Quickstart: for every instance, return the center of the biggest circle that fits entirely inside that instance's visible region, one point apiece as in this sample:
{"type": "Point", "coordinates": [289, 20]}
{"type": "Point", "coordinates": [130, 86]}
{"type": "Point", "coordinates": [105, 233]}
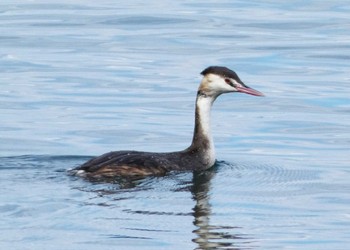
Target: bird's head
{"type": "Point", "coordinates": [218, 80]}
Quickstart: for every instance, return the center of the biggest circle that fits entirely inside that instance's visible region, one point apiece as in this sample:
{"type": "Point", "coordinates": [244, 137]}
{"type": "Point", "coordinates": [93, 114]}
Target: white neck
{"type": "Point", "coordinates": [202, 138]}
{"type": "Point", "coordinates": [203, 109]}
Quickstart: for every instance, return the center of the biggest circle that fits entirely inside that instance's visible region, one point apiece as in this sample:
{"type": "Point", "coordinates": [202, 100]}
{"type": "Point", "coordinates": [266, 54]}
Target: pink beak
{"type": "Point", "coordinates": [250, 91]}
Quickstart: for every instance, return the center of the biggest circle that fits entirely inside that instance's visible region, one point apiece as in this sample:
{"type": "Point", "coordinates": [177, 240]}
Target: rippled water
{"type": "Point", "coordinates": [83, 78]}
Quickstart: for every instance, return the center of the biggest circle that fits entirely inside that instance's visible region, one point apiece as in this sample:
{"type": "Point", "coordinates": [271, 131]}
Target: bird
{"type": "Point", "coordinates": [199, 156]}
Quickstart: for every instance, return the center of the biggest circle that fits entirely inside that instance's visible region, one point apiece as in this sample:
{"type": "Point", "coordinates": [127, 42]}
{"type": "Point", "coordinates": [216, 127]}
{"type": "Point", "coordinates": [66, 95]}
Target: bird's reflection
{"type": "Point", "coordinates": [208, 236]}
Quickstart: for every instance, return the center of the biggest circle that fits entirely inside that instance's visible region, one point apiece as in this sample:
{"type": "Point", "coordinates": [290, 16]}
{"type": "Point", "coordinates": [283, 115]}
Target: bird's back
{"type": "Point", "coordinates": [126, 163]}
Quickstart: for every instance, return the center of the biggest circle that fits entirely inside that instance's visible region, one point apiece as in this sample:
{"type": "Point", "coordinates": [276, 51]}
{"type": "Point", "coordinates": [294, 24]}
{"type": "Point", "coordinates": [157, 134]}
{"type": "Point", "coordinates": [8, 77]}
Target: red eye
{"type": "Point", "coordinates": [228, 81]}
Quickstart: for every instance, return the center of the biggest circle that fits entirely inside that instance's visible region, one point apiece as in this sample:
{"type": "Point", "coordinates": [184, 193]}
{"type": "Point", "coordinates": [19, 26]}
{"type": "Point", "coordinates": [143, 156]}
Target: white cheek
{"type": "Point", "coordinates": [224, 87]}
{"type": "Point", "coordinates": [229, 88]}
{"type": "Point", "coordinates": [217, 84]}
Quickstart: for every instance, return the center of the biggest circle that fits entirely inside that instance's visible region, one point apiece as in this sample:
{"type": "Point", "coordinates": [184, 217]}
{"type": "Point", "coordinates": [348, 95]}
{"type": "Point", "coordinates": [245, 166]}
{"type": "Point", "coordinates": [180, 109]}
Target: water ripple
{"type": "Point", "coordinates": [267, 181]}
{"type": "Point", "coordinates": [87, 78]}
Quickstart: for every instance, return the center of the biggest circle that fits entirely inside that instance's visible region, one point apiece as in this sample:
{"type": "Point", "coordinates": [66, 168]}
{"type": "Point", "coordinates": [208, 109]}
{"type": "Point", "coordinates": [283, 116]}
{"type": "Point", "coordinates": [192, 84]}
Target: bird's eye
{"type": "Point", "coordinates": [228, 81]}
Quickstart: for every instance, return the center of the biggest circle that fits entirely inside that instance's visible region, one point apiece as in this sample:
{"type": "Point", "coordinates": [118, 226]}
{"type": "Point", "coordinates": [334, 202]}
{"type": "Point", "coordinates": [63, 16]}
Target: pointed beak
{"type": "Point", "coordinates": [250, 91]}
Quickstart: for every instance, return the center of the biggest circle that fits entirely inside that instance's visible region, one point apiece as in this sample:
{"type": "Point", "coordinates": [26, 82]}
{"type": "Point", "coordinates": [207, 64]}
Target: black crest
{"type": "Point", "coordinates": [222, 71]}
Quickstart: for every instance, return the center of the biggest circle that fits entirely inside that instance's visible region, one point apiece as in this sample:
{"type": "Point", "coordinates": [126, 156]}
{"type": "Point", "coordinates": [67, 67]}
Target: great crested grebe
{"type": "Point", "coordinates": [200, 155]}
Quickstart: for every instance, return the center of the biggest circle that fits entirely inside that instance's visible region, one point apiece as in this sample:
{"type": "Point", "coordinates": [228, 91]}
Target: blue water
{"type": "Point", "coordinates": [82, 78]}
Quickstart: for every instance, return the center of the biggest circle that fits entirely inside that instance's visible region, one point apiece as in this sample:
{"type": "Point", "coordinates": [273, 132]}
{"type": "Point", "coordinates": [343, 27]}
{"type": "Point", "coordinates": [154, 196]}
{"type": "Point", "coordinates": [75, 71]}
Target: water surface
{"type": "Point", "coordinates": [84, 78]}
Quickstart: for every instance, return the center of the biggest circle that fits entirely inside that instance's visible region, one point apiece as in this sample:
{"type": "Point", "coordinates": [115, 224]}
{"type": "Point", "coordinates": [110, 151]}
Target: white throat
{"type": "Point", "coordinates": [204, 111]}
{"type": "Point", "coordinates": [203, 128]}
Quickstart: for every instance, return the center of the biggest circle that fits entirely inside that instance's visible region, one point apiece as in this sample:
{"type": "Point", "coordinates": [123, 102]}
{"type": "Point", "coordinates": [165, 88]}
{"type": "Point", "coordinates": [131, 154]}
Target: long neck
{"type": "Point", "coordinates": [202, 141]}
